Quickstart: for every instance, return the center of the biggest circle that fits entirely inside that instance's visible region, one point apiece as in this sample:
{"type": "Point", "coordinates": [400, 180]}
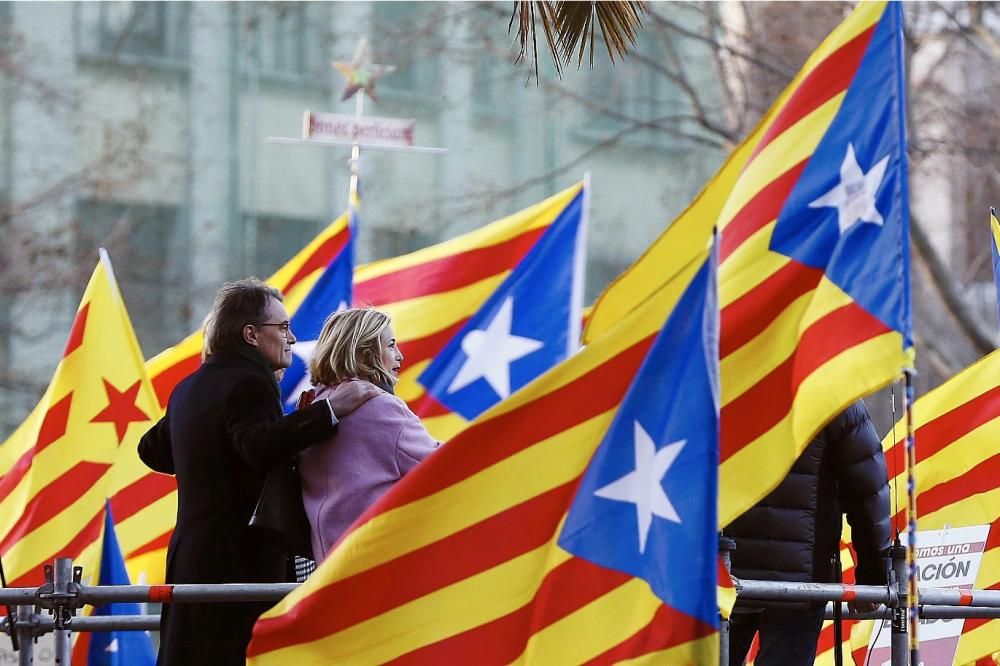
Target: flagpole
{"type": "Point", "coordinates": [579, 273]}
{"type": "Point", "coordinates": [911, 512]}
{"type": "Point", "coordinates": [359, 110]}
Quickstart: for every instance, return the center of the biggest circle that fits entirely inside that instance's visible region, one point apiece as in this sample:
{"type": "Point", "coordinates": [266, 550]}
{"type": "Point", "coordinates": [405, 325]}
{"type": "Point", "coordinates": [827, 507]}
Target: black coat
{"type": "Point", "coordinates": [793, 533]}
{"type": "Point", "coordinates": [223, 430]}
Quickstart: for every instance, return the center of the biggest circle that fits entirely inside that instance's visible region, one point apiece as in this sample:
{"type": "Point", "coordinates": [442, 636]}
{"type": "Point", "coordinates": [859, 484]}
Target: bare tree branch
{"type": "Point", "coordinates": [775, 67]}
{"type": "Point", "coordinates": [944, 283]}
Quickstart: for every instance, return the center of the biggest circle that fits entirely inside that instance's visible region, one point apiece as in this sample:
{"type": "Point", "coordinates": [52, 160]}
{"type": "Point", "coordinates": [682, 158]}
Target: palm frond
{"type": "Point", "coordinates": [570, 28]}
{"type": "Point", "coordinates": [620, 23]}
{"type": "Point", "coordinates": [525, 12]}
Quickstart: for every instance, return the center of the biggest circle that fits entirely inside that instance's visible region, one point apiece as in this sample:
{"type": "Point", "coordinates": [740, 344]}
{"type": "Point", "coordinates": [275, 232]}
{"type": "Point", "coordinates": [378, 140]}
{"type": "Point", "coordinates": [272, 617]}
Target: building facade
{"type": "Point", "coordinates": [142, 127]}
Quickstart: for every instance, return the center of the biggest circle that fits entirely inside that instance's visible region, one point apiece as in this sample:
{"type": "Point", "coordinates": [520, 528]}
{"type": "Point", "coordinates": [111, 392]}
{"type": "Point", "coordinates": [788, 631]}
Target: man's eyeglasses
{"type": "Point", "coordinates": [283, 327]}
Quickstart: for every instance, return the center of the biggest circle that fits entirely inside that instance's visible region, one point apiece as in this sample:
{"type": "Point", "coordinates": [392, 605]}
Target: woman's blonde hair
{"type": "Point", "coordinates": [350, 345]}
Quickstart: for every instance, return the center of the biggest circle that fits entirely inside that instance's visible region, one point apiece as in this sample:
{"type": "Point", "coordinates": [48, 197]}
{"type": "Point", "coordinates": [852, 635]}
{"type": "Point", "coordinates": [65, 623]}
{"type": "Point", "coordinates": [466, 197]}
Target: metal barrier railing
{"type": "Point", "coordinates": [63, 595]}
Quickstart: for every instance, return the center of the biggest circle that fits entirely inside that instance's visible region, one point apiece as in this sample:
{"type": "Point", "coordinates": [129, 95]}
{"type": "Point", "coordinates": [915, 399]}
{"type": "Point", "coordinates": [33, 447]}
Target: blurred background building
{"type": "Point", "coordinates": [141, 126]}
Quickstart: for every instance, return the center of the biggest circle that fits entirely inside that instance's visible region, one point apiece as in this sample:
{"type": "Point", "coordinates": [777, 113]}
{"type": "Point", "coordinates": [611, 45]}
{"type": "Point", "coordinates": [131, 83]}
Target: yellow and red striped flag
{"type": "Point", "coordinates": [56, 470]}
{"type": "Point", "coordinates": [475, 557]}
{"type": "Point", "coordinates": [958, 466]}
{"type": "Point", "coordinates": [814, 261]}
{"type": "Point", "coordinates": [429, 293]}
{"type": "Point", "coordinates": [432, 292]}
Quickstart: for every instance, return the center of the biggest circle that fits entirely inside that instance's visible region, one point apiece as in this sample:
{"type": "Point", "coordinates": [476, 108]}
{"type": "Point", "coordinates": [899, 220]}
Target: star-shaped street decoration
{"type": "Point", "coordinates": [121, 409]}
{"type": "Point", "coordinates": [644, 485]}
{"type": "Point", "coordinates": [491, 352]}
{"type": "Point", "coordinates": [360, 73]}
{"type": "Point", "coordinates": [854, 196]}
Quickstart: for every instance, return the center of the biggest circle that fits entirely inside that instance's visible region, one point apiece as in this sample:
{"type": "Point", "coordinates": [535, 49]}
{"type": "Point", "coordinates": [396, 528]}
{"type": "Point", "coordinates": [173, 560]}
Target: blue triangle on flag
{"type": "Point", "coordinates": [848, 214]}
{"type": "Point", "coordinates": [332, 292]}
{"type": "Point", "coordinates": [530, 323]}
{"type": "Point", "coordinates": [117, 648]}
{"type": "Point", "coordinates": [647, 503]}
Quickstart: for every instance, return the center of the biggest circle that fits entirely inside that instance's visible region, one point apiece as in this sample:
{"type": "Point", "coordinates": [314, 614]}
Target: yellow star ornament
{"type": "Point", "coordinates": [360, 73]}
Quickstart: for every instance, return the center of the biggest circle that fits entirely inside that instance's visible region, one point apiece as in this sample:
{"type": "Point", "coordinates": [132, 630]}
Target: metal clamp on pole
{"type": "Point", "coordinates": [900, 634]}
{"type": "Point", "coordinates": [60, 594]}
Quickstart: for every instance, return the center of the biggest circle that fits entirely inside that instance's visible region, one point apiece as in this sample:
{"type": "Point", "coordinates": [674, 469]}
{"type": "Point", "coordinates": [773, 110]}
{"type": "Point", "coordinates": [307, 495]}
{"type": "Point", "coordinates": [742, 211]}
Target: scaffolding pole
{"type": "Point", "coordinates": [726, 548]}
{"type": "Point", "coordinates": [26, 635]}
{"type": "Point", "coordinates": [63, 582]}
{"type": "Point", "coordinates": [900, 638]}
{"type": "Point", "coordinates": [62, 595]}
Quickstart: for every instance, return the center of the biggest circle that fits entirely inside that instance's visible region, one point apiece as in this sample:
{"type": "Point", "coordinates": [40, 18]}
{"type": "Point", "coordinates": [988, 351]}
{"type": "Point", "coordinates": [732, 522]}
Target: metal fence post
{"type": "Point", "coordinates": [900, 635]}
{"type": "Point", "coordinates": [726, 546]}
{"type": "Point", "coordinates": [25, 639]}
{"type": "Point", "coordinates": [62, 583]}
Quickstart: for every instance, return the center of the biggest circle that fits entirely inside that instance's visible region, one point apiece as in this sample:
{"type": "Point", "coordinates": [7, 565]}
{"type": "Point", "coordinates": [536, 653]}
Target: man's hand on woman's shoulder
{"type": "Point", "coordinates": [351, 394]}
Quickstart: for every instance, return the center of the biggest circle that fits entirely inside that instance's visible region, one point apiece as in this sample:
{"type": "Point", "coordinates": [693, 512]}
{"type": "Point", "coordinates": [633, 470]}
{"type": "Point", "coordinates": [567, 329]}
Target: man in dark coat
{"type": "Point", "coordinates": [222, 432]}
{"type": "Point", "coordinates": [794, 533]}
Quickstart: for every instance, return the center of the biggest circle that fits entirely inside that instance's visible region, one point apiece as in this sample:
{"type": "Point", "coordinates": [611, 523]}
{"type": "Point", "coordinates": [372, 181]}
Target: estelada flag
{"type": "Point", "coordinates": [814, 264]}
{"type": "Point", "coordinates": [957, 479]}
{"type": "Point", "coordinates": [432, 293]}
{"type": "Point", "coordinates": [331, 292]}
{"type": "Point", "coordinates": [530, 323]}
{"type": "Point", "coordinates": [496, 549]}
{"type": "Point", "coordinates": [56, 469]}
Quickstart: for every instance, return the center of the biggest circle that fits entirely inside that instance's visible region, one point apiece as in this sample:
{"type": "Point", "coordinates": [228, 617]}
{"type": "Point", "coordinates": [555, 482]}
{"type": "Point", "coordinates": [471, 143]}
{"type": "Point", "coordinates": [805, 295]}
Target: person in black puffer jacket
{"type": "Point", "coordinates": [793, 534]}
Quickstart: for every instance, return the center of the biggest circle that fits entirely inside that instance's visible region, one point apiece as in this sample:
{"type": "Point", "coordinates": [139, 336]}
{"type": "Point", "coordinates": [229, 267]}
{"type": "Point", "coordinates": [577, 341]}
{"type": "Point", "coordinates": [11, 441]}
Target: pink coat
{"type": "Point", "coordinates": [373, 448]}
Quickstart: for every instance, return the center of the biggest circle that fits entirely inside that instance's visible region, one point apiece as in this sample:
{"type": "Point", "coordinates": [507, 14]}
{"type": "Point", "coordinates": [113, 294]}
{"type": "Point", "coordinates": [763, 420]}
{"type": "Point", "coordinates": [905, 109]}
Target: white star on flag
{"type": "Point", "coordinates": [491, 352]}
{"type": "Point", "coordinates": [112, 646]}
{"type": "Point", "coordinates": [644, 485]}
{"type": "Point", "coordinates": [854, 195]}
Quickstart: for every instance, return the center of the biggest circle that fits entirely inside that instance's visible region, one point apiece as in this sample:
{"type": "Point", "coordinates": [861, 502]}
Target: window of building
{"type": "Point", "coordinates": [146, 246]}
{"type": "Point", "coordinates": [493, 77]}
{"type": "Point", "coordinates": [600, 273]}
{"type": "Point", "coordinates": [288, 39]}
{"type": "Point", "coordinates": [4, 24]}
{"type": "Point", "coordinates": [402, 35]}
{"type": "Point", "coordinates": [149, 31]}
{"type": "Point", "coordinates": [396, 241]}
{"type": "Point", "coordinates": [271, 241]}
{"type": "Point", "coordinates": [634, 91]}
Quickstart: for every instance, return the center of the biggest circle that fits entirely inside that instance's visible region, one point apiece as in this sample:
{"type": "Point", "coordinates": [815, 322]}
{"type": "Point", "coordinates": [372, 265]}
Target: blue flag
{"type": "Point", "coordinates": [117, 648]}
{"type": "Point", "coordinates": [647, 503]}
{"type": "Point", "coordinates": [529, 324]}
{"type": "Point", "coordinates": [332, 292]}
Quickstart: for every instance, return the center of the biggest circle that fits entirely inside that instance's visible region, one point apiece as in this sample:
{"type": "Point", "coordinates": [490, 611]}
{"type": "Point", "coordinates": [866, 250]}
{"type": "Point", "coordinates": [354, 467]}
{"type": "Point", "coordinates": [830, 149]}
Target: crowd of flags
{"type": "Point", "coordinates": [574, 510]}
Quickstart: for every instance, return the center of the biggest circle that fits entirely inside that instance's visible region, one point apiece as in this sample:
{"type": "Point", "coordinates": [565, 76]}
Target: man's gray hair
{"type": "Point", "coordinates": [236, 305]}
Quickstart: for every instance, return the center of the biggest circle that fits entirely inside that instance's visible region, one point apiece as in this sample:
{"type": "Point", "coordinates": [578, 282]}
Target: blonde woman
{"type": "Point", "coordinates": [374, 446]}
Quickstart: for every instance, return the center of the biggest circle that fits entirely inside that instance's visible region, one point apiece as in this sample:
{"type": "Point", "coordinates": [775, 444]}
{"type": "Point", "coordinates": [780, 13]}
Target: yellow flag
{"type": "Point", "coordinates": [56, 471]}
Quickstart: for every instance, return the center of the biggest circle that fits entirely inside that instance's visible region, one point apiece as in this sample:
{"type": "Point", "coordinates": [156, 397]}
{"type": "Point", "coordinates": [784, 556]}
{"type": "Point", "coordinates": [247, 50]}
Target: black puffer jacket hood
{"type": "Point", "coordinates": [793, 533]}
